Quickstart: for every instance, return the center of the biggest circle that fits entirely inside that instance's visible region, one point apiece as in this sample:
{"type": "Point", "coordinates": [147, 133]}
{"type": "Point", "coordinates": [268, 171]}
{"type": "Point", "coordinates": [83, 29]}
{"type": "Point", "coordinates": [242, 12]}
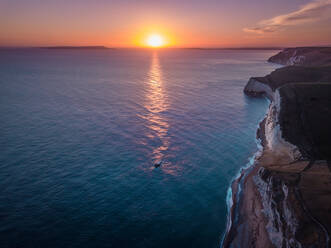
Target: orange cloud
{"type": "Point", "coordinates": [311, 12]}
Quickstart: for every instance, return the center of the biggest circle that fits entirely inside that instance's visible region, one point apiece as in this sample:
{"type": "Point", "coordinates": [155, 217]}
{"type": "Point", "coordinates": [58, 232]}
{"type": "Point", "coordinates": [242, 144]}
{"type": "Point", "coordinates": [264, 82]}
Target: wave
{"type": "Point", "coordinates": [239, 177]}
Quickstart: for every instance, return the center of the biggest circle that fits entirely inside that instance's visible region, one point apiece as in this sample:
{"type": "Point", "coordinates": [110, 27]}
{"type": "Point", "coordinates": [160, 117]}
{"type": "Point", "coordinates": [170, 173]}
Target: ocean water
{"type": "Point", "coordinates": [81, 130]}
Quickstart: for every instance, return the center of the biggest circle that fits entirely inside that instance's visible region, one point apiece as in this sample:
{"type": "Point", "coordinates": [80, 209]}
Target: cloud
{"type": "Point", "coordinates": [311, 12]}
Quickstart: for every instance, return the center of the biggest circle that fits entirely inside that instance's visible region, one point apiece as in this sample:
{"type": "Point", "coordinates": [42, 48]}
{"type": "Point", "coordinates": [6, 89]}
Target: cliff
{"type": "Point", "coordinates": [284, 199]}
{"type": "Point", "coordinates": [304, 56]}
{"type": "Point", "coordinates": [267, 85]}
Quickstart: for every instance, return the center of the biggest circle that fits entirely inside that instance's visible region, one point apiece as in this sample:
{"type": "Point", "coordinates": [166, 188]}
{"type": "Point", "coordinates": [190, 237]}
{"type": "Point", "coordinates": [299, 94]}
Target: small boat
{"type": "Point", "coordinates": [158, 164]}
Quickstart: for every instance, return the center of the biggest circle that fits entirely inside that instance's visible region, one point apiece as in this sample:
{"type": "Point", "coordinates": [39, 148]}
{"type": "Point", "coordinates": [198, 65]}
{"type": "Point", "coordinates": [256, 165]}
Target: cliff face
{"type": "Point", "coordinates": [284, 200]}
{"type": "Point", "coordinates": [256, 87]}
{"type": "Point", "coordinates": [294, 175]}
{"type": "Point", "coordinates": [305, 56]}
{"type": "Point", "coordinates": [274, 138]}
{"type": "Point", "coordinates": [289, 219]}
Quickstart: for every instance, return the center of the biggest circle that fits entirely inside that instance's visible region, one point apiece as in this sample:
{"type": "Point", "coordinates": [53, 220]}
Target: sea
{"type": "Point", "coordinates": [123, 147]}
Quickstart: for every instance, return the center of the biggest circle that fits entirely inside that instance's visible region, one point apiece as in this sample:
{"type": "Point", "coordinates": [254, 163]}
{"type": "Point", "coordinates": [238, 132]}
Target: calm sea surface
{"type": "Point", "coordinates": [80, 132]}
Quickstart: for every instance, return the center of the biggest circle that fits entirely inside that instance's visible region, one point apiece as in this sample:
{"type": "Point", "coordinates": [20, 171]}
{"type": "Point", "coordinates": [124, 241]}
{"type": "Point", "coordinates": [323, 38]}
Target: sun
{"type": "Point", "coordinates": [155, 40]}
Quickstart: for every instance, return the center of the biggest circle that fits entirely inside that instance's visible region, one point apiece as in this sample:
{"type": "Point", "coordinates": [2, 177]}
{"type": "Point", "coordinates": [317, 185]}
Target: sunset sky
{"type": "Point", "coordinates": [182, 23]}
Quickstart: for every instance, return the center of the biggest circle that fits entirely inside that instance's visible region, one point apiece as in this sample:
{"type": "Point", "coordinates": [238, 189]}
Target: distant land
{"type": "Point", "coordinates": [76, 47]}
{"type": "Point", "coordinates": [235, 48]}
{"type": "Point", "coordinates": [305, 56]}
{"type": "Point", "coordinates": [104, 47]}
{"type": "Point", "coordinates": [57, 47]}
{"type": "Point", "coordinates": [308, 50]}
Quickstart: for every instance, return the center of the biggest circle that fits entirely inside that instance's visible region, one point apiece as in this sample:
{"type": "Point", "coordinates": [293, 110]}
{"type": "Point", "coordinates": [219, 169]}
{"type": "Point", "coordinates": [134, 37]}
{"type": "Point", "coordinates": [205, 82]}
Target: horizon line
{"type": "Point", "coordinates": [159, 48]}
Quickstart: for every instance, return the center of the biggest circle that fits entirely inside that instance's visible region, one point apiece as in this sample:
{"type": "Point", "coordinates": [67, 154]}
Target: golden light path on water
{"type": "Point", "coordinates": [156, 104]}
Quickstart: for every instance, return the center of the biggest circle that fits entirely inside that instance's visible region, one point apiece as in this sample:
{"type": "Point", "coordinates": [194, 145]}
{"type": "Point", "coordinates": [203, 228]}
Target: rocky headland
{"type": "Point", "coordinates": [284, 199]}
{"type": "Point", "coordinates": [306, 56]}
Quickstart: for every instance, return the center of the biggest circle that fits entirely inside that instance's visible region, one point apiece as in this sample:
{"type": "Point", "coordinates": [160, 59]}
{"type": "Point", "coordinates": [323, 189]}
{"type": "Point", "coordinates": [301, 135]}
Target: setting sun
{"type": "Point", "coordinates": [155, 40]}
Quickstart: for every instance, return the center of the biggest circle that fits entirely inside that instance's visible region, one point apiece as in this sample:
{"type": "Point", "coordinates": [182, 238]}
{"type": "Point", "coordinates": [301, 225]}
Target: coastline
{"type": "Point", "coordinates": [271, 198]}
{"type": "Point", "coordinates": [236, 189]}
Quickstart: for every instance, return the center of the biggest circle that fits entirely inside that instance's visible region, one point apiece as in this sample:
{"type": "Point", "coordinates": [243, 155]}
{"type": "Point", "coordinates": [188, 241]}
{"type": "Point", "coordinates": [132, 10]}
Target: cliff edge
{"type": "Point", "coordinates": [284, 199]}
{"type": "Point", "coordinates": [267, 85]}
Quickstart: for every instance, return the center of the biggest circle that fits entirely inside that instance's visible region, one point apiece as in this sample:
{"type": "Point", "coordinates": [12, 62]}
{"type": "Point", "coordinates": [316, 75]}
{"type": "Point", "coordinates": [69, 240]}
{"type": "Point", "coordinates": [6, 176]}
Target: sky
{"type": "Point", "coordinates": [182, 23]}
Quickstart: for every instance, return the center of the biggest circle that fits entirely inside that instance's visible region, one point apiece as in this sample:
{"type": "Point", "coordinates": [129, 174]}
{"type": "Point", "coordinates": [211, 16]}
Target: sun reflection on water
{"type": "Point", "coordinates": [156, 104]}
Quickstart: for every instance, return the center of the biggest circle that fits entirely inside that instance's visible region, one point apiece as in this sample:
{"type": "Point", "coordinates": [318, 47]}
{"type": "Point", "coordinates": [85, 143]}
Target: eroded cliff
{"type": "Point", "coordinates": [284, 200]}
